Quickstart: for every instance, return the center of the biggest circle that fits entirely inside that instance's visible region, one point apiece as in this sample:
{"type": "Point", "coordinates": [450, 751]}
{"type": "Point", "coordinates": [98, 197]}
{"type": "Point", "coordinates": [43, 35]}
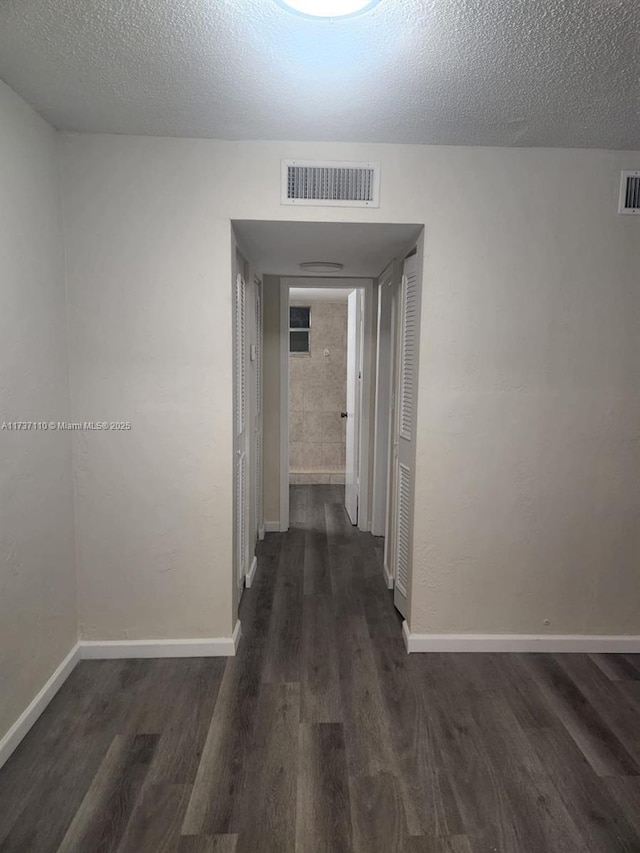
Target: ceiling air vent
{"type": "Point", "coordinates": [630, 193]}
{"type": "Point", "coordinates": [330, 184]}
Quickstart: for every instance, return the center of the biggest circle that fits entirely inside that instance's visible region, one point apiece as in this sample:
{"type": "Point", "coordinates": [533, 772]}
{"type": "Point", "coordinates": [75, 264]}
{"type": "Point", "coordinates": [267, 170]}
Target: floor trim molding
{"type": "Point", "coordinates": [112, 650]}
{"type": "Point", "coordinates": [237, 634]}
{"type": "Point", "coordinates": [120, 649]}
{"type": "Point", "coordinates": [272, 527]}
{"type": "Point", "coordinates": [248, 578]}
{"type": "Point", "coordinates": [388, 577]}
{"type": "Point", "coordinates": [261, 532]}
{"type": "Point", "coordinates": [550, 643]}
{"type": "Point", "coordinates": [34, 709]}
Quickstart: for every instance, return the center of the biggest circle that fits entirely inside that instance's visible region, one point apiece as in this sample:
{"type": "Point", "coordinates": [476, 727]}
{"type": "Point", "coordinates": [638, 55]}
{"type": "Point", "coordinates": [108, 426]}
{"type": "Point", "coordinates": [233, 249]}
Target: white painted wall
{"type": "Point", "coordinates": [37, 563]}
{"type": "Point", "coordinates": [526, 499]}
{"type": "Point", "coordinates": [150, 330]}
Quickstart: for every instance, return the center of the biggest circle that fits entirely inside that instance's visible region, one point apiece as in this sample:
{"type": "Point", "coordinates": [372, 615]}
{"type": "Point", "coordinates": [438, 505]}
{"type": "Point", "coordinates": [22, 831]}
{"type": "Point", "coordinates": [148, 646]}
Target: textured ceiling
{"type": "Point", "coordinates": [278, 248]}
{"type": "Point", "coordinates": [465, 72]}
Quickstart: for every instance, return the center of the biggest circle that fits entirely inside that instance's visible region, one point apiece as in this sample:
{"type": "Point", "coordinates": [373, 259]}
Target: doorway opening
{"type": "Point", "coordinates": [325, 394]}
{"type": "Point", "coordinates": [326, 376]}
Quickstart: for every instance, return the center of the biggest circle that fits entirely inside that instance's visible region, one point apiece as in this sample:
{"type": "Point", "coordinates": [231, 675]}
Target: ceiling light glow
{"type": "Point", "coordinates": [321, 266]}
{"type": "Point", "coordinates": [329, 8]}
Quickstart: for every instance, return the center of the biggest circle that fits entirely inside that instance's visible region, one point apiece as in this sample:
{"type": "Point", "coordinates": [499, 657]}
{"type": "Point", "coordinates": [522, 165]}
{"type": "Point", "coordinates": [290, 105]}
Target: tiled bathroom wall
{"type": "Point", "coordinates": [317, 395]}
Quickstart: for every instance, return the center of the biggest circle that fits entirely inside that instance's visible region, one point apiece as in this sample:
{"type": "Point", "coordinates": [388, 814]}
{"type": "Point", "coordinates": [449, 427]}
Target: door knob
{"type": "Point", "coordinates": [343, 414]}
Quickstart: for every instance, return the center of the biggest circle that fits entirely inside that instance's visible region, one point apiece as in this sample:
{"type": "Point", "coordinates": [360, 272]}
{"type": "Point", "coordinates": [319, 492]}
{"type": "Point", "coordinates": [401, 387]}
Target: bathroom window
{"type": "Point", "coordinates": [299, 330]}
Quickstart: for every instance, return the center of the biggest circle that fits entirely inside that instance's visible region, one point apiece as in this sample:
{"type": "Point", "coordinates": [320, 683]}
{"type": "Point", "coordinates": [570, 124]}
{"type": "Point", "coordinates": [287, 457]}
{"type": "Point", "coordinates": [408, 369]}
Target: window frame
{"type": "Point", "coordinates": [300, 353]}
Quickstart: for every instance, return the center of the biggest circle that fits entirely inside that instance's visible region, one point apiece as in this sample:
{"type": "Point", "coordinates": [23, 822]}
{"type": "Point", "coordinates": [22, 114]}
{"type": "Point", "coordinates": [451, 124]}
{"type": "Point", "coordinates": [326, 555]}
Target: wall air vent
{"type": "Point", "coordinates": [630, 193]}
{"type": "Point", "coordinates": [330, 184]}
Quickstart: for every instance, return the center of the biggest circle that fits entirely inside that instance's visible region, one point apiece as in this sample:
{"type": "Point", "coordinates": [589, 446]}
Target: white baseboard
{"type": "Point", "coordinates": [550, 643]}
{"type": "Point", "coordinates": [248, 578]}
{"type": "Point", "coordinates": [33, 710]}
{"type": "Point", "coordinates": [111, 650]}
{"type": "Point", "coordinates": [388, 577]}
{"type": "Point", "coordinates": [261, 532]}
{"type": "Point", "coordinates": [272, 527]}
{"type": "Point", "coordinates": [121, 649]}
{"type": "Point", "coordinates": [406, 634]}
{"type": "Point", "coordinates": [235, 637]}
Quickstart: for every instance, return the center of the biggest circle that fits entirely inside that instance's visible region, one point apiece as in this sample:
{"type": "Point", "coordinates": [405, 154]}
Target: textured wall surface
{"type": "Point", "coordinates": [497, 72]}
{"type": "Point", "coordinates": [317, 395]}
{"type": "Point", "coordinates": [150, 320]}
{"type": "Point", "coordinates": [37, 561]}
{"type": "Point", "coordinates": [527, 492]}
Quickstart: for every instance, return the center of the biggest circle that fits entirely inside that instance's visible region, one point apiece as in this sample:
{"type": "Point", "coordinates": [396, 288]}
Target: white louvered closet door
{"type": "Point", "coordinates": [405, 430]}
{"type": "Point", "coordinates": [258, 423]}
{"type": "Point", "coordinates": [241, 427]}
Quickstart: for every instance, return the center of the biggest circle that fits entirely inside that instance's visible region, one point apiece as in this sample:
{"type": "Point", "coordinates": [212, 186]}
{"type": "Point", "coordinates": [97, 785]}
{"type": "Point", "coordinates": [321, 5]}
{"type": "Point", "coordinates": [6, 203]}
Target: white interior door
{"type": "Point", "coordinates": [240, 443]}
{"type": "Point", "coordinates": [351, 473]}
{"type": "Point", "coordinates": [404, 445]}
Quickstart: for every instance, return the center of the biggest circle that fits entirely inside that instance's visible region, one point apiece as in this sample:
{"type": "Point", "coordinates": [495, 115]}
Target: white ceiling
{"type": "Point", "coordinates": [365, 249]}
{"type": "Point", "coordinates": [464, 72]}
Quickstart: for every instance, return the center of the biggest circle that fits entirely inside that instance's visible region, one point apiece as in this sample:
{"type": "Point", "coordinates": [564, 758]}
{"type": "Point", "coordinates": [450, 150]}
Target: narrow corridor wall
{"type": "Point", "coordinates": [38, 607]}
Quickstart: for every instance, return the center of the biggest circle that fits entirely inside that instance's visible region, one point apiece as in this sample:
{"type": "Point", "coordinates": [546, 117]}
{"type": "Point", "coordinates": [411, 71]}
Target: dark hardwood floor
{"type": "Point", "coordinates": [324, 736]}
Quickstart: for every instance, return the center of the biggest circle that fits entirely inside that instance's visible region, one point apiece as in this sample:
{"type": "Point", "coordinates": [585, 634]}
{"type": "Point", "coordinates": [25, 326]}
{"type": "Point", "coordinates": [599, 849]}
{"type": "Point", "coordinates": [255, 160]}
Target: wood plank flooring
{"type": "Point", "coordinates": [324, 736]}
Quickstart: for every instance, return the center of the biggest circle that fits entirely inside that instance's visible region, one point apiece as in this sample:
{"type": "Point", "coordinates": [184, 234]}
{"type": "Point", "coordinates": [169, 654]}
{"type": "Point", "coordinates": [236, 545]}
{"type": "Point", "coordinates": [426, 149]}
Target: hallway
{"type": "Point", "coordinates": [324, 736]}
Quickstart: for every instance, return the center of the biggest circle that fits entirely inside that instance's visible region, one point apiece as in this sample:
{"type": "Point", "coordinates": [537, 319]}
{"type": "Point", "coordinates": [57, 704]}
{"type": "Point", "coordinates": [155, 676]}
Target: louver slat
{"type": "Point", "coordinates": [344, 184]}
{"type": "Point", "coordinates": [630, 193]}
{"type": "Point", "coordinates": [258, 355]}
{"type": "Point", "coordinates": [258, 494]}
{"type": "Point", "coordinates": [327, 184]}
{"type": "Point", "coordinates": [241, 487]}
{"type": "Point", "coordinates": [241, 367]}
{"type": "Point", "coordinates": [404, 528]}
{"type": "Point", "coordinates": [408, 366]}
{"type": "Point", "coordinates": [633, 192]}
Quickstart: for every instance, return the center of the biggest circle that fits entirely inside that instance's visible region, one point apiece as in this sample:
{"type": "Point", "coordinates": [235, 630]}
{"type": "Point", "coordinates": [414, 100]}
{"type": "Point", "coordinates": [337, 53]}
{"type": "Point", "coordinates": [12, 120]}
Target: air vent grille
{"type": "Point", "coordinates": [630, 193]}
{"type": "Point", "coordinates": [331, 184]}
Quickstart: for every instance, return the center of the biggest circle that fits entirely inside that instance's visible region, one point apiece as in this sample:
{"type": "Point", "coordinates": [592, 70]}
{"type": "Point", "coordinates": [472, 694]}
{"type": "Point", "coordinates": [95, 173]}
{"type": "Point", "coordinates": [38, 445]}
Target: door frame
{"type": "Point", "coordinates": [387, 386]}
{"type": "Point", "coordinates": [385, 342]}
{"type": "Point", "coordinates": [354, 360]}
{"type": "Point", "coordinates": [366, 413]}
{"type": "Point", "coordinates": [417, 250]}
{"type": "Point", "coordinates": [241, 263]}
{"type": "Point", "coordinates": [241, 448]}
